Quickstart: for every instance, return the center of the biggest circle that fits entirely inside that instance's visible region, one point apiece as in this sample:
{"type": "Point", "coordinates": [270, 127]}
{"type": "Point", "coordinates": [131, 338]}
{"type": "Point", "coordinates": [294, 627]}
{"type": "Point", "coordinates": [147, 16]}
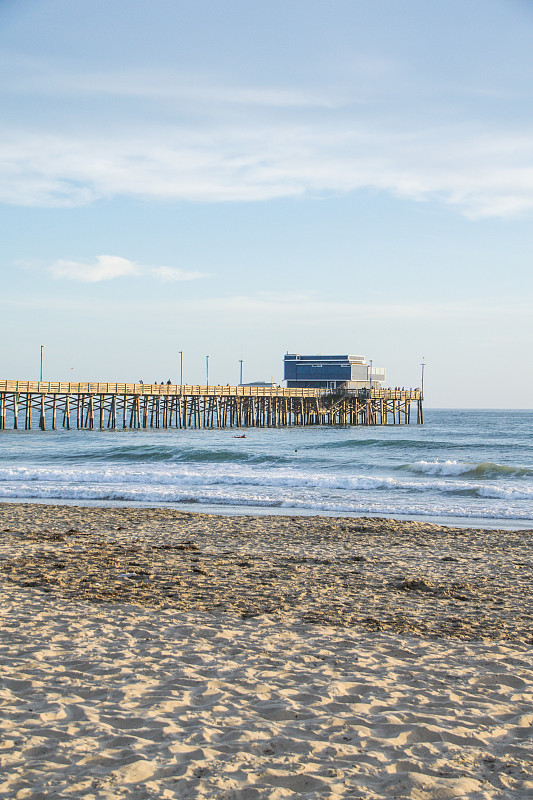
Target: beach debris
{"type": "Point", "coordinates": [305, 569]}
{"type": "Point", "coordinates": [415, 584]}
{"type": "Point", "coordinates": [76, 532]}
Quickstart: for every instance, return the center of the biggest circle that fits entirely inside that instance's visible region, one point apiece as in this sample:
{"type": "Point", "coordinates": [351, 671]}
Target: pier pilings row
{"type": "Point", "coordinates": [24, 405]}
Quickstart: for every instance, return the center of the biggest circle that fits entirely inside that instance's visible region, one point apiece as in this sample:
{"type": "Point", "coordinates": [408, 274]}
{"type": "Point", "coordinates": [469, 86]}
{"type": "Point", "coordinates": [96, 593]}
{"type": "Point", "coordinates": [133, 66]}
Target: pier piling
{"type": "Point", "coordinates": [133, 406]}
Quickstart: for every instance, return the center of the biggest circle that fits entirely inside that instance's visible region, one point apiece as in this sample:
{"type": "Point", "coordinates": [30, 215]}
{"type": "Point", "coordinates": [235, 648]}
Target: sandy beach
{"type": "Point", "coordinates": [152, 653]}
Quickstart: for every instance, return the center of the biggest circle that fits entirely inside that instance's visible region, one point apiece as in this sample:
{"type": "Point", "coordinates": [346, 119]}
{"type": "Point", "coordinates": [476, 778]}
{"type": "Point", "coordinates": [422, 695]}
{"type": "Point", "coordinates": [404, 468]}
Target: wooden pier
{"type": "Point", "coordinates": [24, 404]}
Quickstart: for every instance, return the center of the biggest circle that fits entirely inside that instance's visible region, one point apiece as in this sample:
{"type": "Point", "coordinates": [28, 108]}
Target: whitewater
{"type": "Point", "coordinates": [461, 467]}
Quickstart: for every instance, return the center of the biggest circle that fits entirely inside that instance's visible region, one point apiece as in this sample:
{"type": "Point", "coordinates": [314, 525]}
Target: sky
{"type": "Point", "coordinates": [240, 179]}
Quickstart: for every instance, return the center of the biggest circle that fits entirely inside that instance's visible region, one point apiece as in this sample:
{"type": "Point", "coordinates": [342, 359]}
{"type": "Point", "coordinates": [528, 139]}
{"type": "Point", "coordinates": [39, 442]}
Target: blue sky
{"type": "Point", "coordinates": [241, 179]}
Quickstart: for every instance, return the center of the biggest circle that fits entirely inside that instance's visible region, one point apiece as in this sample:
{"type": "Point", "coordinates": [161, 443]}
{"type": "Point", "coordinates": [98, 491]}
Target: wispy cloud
{"type": "Point", "coordinates": [308, 307]}
{"type": "Point", "coordinates": [297, 308]}
{"type": "Point", "coordinates": [183, 138]}
{"type": "Point", "coordinates": [159, 85]}
{"type": "Point", "coordinates": [282, 161]}
{"type": "Point", "coordinates": [106, 267]}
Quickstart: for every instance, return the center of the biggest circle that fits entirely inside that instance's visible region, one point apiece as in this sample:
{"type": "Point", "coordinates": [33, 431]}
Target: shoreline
{"type": "Point", "coordinates": [151, 652]}
{"type": "Point", "coordinates": [195, 507]}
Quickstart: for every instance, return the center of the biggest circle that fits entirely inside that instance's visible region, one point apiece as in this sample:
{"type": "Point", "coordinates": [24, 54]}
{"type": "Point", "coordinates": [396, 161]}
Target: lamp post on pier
{"type": "Point", "coordinates": [207, 372]}
{"type": "Point", "coordinates": [42, 348]}
{"type": "Point", "coordinates": [423, 364]}
{"type": "Point", "coordinates": [240, 362]}
{"type": "Point", "coordinates": [181, 371]}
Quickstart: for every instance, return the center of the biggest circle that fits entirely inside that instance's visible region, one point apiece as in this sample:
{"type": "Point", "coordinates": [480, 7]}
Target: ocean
{"type": "Point", "coordinates": [462, 467]}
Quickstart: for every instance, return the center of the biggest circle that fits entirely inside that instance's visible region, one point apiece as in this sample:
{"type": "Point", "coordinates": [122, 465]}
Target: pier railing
{"type": "Point", "coordinates": [51, 387]}
{"type": "Point", "coordinates": [192, 390]}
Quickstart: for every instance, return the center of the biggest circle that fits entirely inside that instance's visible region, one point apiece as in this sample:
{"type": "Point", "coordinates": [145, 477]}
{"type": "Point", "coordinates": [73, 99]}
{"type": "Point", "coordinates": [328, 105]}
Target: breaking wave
{"type": "Point", "coordinates": [185, 477]}
{"type": "Point", "coordinates": [174, 496]}
{"type": "Point", "coordinates": [487, 469]}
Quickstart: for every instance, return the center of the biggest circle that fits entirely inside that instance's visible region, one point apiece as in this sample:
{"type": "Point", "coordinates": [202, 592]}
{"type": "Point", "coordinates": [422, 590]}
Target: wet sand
{"type": "Point", "coordinates": [156, 653]}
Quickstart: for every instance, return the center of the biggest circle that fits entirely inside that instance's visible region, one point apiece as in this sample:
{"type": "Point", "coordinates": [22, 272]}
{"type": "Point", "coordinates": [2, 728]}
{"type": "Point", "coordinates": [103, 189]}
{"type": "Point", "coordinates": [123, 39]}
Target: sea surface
{"type": "Point", "coordinates": [461, 467]}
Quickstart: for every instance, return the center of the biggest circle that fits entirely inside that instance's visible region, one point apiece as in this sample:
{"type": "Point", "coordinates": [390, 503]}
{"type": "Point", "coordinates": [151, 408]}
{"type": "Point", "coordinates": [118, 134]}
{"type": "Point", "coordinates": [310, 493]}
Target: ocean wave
{"type": "Point", "coordinates": [349, 444]}
{"type": "Point", "coordinates": [279, 478]}
{"type": "Point", "coordinates": [187, 476]}
{"type": "Point", "coordinates": [413, 444]}
{"type": "Point", "coordinates": [172, 496]}
{"type": "Point", "coordinates": [487, 469]}
{"type": "Point", "coordinates": [150, 454]}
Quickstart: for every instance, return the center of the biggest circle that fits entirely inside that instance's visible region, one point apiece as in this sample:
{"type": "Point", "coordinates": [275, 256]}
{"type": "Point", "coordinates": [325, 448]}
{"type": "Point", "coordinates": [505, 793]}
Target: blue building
{"type": "Point", "coordinates": [330, 372]}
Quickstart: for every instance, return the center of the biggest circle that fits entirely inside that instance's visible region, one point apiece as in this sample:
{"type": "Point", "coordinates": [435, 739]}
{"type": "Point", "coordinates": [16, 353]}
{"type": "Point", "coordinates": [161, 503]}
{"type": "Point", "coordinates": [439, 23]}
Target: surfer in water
{"type": "Point", "coordinates": [240, 437]}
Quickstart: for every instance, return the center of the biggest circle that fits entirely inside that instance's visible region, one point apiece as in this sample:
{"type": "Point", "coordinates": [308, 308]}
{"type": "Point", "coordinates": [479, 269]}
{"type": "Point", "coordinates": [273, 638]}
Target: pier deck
{"type": "Point", "coordinates": [138, 405]}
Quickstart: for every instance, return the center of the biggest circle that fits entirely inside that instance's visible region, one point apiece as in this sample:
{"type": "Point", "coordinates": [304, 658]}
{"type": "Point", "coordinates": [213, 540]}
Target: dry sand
{"type": "Point", "coordinates": [150, 653]}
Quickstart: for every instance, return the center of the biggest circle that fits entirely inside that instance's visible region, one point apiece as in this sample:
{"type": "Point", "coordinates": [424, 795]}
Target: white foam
{"type": "Point", "coordinates": [442, 467]}
{"type": "Point", "coordinates": [260, 499]}
{"type": "Point", "coordinates": [242, 476]}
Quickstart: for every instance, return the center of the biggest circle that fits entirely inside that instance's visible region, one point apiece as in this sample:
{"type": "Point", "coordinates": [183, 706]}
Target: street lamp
{"type": "Point", "coordinates": [423, 364]}
{"type": "Point", "coordinates": [207, 372]}
{"type": "Point", "coordinates": [240, 362]}
{"type": "Point", "coordinates": [181, 371]}
{"type": "Point", "coordinates": [42, 348]}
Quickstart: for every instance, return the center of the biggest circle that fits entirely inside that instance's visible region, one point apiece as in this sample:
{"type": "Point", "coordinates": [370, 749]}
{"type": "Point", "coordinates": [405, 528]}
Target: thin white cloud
{"type": "Point", "coordinates": [103, 269]}
{"type": "Point", "coordinates": [167, 89]}
{"type": "Point", "coordinates": [182, 137]}
{"type": "Point", "coordinates": [171, 274]}
{"type": "Point", "coordinates": [308, 308]}
{"type": "Point", "coordinates": [300, 309]}
{"type": "Point", "coordinates": [106, 267]}
{"type": "Point", "coordinates": [458, 167]}
{"type": "Point", "coordinates": [25, 75]}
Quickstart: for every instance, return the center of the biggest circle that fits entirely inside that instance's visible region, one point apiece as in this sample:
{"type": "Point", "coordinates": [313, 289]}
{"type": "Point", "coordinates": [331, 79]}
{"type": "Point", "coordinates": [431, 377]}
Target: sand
{"type": "Point", "coordinates": [150, 653]}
